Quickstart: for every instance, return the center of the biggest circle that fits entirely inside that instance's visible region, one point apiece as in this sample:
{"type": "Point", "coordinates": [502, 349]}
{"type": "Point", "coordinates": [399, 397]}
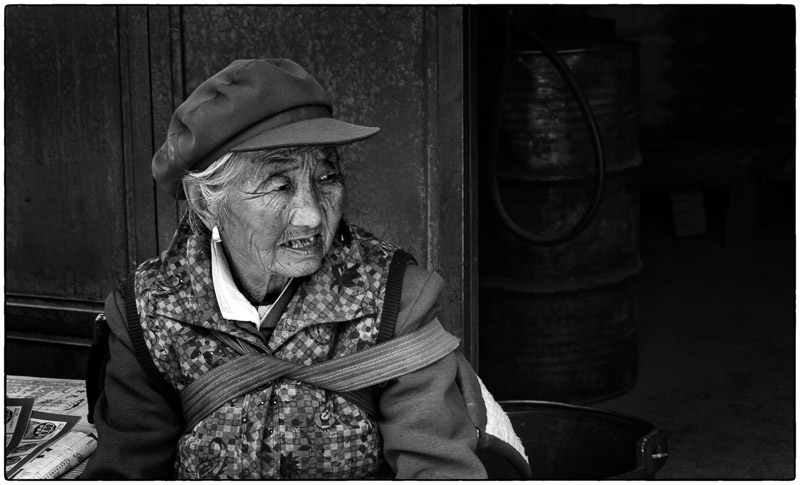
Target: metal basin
{"type": "Point", "coordinates": [569, 442]}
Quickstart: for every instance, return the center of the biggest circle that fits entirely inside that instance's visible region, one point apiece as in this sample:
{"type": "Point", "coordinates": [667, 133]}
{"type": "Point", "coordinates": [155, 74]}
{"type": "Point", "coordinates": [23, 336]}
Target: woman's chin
{"type": "Point", "coordinates": [300, 270]}
{"type": "Point", "coordinates": [296, 267]}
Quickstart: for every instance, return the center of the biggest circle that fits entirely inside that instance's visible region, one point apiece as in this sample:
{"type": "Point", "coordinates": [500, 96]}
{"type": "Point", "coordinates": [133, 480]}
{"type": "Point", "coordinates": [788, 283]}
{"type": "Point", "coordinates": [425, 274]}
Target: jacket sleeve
{"type": "Point", "coordinates": [137, 430]}
{"type": "Point", "coordinates": [427, 433]}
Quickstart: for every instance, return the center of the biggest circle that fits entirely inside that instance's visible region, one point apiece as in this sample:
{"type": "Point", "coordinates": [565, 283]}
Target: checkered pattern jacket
{"type": "Point", "coordinates": [286, 429]}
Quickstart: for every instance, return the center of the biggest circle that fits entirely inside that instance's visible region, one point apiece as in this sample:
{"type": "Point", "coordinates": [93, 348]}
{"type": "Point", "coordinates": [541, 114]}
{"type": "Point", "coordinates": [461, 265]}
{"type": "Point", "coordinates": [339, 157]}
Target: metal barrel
{"type": "Point", "coordinates": [559, 323]}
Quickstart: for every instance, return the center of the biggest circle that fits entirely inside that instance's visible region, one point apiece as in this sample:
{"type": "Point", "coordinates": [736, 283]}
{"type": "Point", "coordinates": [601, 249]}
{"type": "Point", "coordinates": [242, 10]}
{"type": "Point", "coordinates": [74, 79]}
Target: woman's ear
{"type": "Point", "coordinates": [198, 203]}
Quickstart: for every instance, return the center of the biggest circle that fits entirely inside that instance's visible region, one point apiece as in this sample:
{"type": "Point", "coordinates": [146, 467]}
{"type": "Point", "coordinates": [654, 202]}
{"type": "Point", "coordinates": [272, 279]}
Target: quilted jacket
{"type": "Point", "coordinates": [285, 429]}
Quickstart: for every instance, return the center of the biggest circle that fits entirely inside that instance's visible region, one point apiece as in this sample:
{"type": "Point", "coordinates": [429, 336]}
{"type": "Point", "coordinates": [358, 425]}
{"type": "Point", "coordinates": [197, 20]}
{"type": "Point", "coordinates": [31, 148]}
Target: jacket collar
{"type": "Point", "coordinates": [338, 292]}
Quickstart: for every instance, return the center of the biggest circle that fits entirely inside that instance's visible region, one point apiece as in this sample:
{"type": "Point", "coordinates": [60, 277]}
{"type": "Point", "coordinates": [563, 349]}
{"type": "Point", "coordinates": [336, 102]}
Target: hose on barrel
{"type": "Point", "coordinates": [591, 125]}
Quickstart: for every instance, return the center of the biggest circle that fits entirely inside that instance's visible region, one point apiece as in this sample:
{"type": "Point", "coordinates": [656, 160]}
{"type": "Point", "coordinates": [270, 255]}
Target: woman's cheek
{"type": "Point", "coordinates": [332, 205]}
{"type": "Point", "coordinates": [333, 198]}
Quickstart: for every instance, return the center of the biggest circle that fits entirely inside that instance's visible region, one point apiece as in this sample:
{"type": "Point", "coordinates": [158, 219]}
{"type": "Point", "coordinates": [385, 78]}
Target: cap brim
{"type": "Point", "coordinates": [317, 131]}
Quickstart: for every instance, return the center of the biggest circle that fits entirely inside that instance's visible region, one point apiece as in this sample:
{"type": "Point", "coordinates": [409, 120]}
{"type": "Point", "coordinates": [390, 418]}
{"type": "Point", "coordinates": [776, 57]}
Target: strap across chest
{"type": "Point", "coordinates": [343, 375]}
{"type": "Point", "coordinates": [350, 376]}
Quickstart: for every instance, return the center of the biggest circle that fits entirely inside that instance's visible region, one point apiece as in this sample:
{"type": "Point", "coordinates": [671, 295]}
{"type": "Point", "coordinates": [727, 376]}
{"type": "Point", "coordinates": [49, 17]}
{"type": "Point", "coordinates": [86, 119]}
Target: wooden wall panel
{"type": "Point", "coordinates": [135, 86]}
{"type": "Point", "coordinates": [453, 220]}
{"type": "Point", "coordinates": [68, 361]}
{"type": "Point", "coordinates": [65, 232]}
{"type": "Point", "coordinates": [166, 73]}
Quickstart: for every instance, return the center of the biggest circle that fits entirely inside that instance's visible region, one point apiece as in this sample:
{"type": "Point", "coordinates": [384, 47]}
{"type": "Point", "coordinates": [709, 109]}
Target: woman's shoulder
{"type": "Point", "coordinates": [421, 290]}
{"type": "Point", "coordinates": [419, 283]}
{"type": "Point", "coordinates": [367, 241]}
{"type": "Point", "coordinates": [375, 254]}
{"type": "Point", "coordinates": [420, 300]}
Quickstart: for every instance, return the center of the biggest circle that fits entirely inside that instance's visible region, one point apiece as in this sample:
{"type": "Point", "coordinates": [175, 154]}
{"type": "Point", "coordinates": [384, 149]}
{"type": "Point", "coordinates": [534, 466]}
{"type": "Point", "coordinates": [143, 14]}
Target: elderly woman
{"type": "Point", "coordinates": [264, 267]}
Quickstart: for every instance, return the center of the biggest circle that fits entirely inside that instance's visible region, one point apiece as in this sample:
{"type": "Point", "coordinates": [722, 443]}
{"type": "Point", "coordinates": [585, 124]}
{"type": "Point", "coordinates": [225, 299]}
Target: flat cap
{"type": "Point", "coordinates": [252, 104]}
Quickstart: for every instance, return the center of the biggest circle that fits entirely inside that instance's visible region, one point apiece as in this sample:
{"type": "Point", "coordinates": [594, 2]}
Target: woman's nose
{"type": "Point", "coordinates": [306, 210]}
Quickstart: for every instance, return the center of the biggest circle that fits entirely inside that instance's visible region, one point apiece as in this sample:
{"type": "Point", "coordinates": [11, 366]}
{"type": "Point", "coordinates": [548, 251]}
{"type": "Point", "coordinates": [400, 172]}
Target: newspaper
{"type": "Point", "coordinates": [42, 431]}
{"type": "Point", "coordinates": [75, 472]}
{"type": "Point", "coordinates": [56, 437]}
{"type": "Point", "coordinates": [18, 412]}
{"type": "Point", "coordinates": [60, 396]}
{"type": "Point", "coordinates": [59, 457]}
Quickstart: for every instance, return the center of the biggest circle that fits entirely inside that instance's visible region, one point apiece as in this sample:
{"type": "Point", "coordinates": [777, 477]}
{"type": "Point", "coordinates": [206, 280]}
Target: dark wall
{"type": "Point", "coordinates": [64, 145]}
{"type": "Point", "coordinates": [89, 94]}
{"type": "Point", "coordinates": [715, 89]}
{"type": "Point", "coordinates": [705, 69]}
{"type": "Point", "coordinates": [715, 68]}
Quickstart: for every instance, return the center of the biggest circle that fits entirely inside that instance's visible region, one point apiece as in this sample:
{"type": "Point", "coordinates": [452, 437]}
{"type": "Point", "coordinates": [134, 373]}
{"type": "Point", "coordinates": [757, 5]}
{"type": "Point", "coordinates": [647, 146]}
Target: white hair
{"type": "Point", "coordinates": [214, 184]}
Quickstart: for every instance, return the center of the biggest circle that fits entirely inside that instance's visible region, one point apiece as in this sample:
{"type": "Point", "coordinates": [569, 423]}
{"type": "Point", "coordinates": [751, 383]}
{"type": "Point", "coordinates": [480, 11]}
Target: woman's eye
{"type": "Point", "coordinates": [329, 177]}
{"type": "Point", "coordinates": [266, 190]}
{"type": "Point", "coordinates": [278, 184]}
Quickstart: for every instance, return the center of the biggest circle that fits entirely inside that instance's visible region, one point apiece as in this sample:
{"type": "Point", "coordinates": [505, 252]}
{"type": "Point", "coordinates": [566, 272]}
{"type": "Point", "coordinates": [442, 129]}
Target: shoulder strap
{"type": "Point", "coordinates": [367, 398]}
{"type": "Point", "coordinates": [394, 292]}
{"type": "Point", "coordinates": [347, 374]}
{"type": "Point", "coordinates": [140, 347]}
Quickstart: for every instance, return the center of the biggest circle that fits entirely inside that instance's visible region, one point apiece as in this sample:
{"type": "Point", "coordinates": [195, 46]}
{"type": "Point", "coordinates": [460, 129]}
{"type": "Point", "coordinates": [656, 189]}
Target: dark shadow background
{"type": "Point", "coordinates": [716, 309]}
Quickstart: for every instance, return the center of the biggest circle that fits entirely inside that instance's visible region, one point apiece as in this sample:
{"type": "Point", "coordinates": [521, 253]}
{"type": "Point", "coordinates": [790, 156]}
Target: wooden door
{"type": "Point", "coordinates": [66, 239]}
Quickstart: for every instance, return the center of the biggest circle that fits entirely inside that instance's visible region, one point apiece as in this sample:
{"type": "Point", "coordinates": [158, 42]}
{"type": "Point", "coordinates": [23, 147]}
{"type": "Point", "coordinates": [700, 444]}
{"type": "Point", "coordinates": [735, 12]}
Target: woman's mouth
{"type": "Point", "coordinates": [305, 244]}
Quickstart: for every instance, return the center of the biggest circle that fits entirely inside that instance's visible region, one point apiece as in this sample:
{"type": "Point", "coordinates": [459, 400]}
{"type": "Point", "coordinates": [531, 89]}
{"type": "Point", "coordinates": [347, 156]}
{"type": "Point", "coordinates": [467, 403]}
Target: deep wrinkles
{"type": "Point", "coordinates": [324, 196]}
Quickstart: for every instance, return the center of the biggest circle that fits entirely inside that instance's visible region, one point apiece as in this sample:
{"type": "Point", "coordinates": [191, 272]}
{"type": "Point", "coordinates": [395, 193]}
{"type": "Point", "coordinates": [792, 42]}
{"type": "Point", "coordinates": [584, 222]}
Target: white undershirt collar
{"type": "Point", "coordinates": [232, 304]}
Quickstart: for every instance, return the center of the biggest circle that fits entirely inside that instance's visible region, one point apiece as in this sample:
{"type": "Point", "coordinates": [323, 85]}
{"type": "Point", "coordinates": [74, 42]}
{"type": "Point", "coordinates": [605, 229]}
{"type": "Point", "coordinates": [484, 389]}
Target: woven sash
{"type": "Point", "coordinates": [371, 366]}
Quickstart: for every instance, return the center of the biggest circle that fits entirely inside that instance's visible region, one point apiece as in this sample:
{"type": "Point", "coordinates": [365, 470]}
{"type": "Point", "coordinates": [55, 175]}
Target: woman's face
{"type": "Point", "coordinates": [282, 214]}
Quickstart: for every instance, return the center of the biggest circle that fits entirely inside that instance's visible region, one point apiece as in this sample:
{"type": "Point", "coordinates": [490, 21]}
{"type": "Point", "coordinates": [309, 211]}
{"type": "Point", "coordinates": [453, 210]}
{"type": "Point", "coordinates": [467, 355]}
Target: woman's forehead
{"type": "Point", "coordinates": [289, 156]}
{"type": "Point", "coordinates": [267, 162]}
